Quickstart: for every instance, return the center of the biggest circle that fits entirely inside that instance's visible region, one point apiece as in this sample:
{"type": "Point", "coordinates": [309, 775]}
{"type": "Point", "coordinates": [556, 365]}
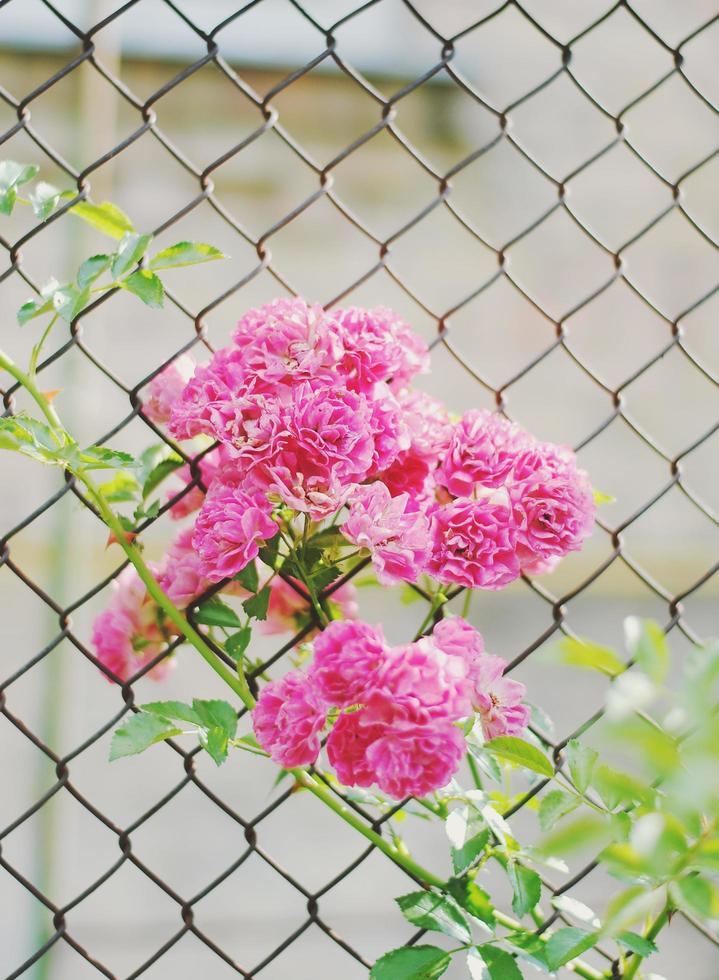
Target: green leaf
{"type": "Point", "coordinates": [322, 576]}
{"type": "Point", "coordinates": [44, 199]}
{"type": "Point", "coordinates": [696, 895]}
{"type": "Point", "coordinates": [472, 899]}
{"type": "Point", "coordinates": [468, 836]}
{"type": "Point", "coordinates": [411, 963]}
{"type": "Point", "coordinates": [236, 644]}
{"type": "Point", "coordinates": [463, 857]}
{"type": "Point", "coordinates": [638, 944]}
{"type": "Point", "coordinates": [129, 252]}
{"type": "Point", "coordinates": [581, 759]}
{"type": "Point", "coordinates": [566, 944]}
{"type": "Point", "coordinates": [92, 268]}
{"type": "Point", "coordinates": [582, 653]}
{"type": "Point", "coordinates": [436, 912]}
{"type": "Point", "coordinates": [185, 253]}
{"type": "Point", "coordinates": [147, 286]}
{"type": "Point", "coordinates": [34, 307]}
{"type": "Point", "coordinates": [102, 458]}
{"type": "Point", "coordinates": [500, 964]}
{"type": "Point", "coordinates": [526, 887]}
{"type": "Point", "coordinates": [554, 806]}
{"type": "Point", "coordinates": [173, 711]}
{"type": "Point", "coordinates": [106, 217]}
{"type": "Point", "coordinates": [26, 435]}
{"type": "Point", "coordinates": [139, 733]}
{"type": "Point", "coordinates": [68, 301]}
{"type": "Point", "coordinates": [647, 644]}
{"type": "Point", "coordinates": [219, 721]}
{"type": "Point", "coordinates": [617, 788]}
{"type": "Point", "coordinates": [215, 612]}
{"type": "Point", "coordinates": [269, 551]}
{"type": "Point", "coordinates": [520, 753]}
{"type": "Point", "coordinates": [256, 606]}
{"type": "Point", "coordinates": [163, 469]}
{"type": "Point", "coordinates": [248, 577]}
{"type": "Point", "coordinates": [706, 854]}
{"type": "Point", "coordinates": [584, 831]}
{"type": "Point", "coordinates": [120, 489]}
{"type": "Point", "coordinates": [12, 176]}
{"type": "Point", "coordinates": [530, 947]}
{"type": "Point", "coordinates": [628, 907]}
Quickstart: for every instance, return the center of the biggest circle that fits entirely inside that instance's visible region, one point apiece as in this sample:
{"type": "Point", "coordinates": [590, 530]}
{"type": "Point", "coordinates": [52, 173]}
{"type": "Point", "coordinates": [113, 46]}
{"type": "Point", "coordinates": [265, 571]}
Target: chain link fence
{"type": "Point", "coordinates": [532, 187]}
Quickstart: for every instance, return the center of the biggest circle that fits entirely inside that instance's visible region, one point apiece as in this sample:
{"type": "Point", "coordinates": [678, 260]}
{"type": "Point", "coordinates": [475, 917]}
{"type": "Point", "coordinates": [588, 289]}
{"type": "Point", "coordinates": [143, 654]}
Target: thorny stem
{"type": "Point", "coordinates": [239, 685]}
{"type": "Point", "coordinates": [656, 927]}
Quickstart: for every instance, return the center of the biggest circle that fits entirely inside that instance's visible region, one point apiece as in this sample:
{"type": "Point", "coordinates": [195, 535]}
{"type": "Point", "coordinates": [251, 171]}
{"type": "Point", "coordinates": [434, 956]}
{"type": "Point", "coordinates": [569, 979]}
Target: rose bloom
{"type": "Point", "coordinates": [183, 578]}
{"type": "Point", "coordinates": [379, 346]}
{"type": "Point", "coordinates": [289, 612]}
{"type": "Point", "coordinates": [216, 400]}
{"type": "Point", "coordinates": [347, 746]}
{"type": "Point", "coordinates": [482, 452]}
{"type": "Point", "coordinates": [498, 699]}
{"type": "Point", "coordinates": [553, 506]}
{"type": "Point", "coordinates": [127, 633]}
{"type": "Point", "coordinates": [288, 719]}
{"type": "Point", "coordinates": [396, 537]}
{"type": "Point", "coordinates": [165, 389]}
{"type": "Point", "coordinates": [474, 543]}
{"type": "Point", "coordinates": [429, 424]}
{"type": "Point", "coordinates": [229, 530]}
{"type": "Point", "coordinates": [416, 760]}
{"type": "Point", "coordinates": [311, 451]}
{"type": "Point", "coordinates": [423, 682]}
{"type": "Point", "coordinates": [208, 467]}
{"type": "Point", "coordinates": [347, 658]}
{"type": "Point", "coordinates": [457, 638]}
{"type": "Point", "coordinates": [288, 340]}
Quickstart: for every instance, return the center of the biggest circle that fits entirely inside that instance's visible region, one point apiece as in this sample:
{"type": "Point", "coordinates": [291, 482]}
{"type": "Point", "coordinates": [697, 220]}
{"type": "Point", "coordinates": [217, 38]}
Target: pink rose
{"type": "Point", "coordinates": [229, 530]}
{"type": "Point", "coordinates": [288, 719]}
{"type": "Point", "coordinates": [482, 452]}
{"type": "Point", "coordinates": [287, 341]}
{"type": "Point", "coordinates": [499, 699]}
{"type": "Point", "coordinates": [455, 637]}
{"type": "Point", "coordinates": [474, 543]}
{"type": "Point", "coordinates": [347, 657]}
{"type": "Point", "coordinates": [347, 746]}
{"type": "Point", "coordinates": [165, 389]}
{"type": "Point", "coordinates": [379, 346]}
{"type": "Point", "coordinates": [396, 536]}
{"type": "Point", "coordinates": [183, 578]}
{"type": "Point", "coordinates": [553, 506]}
{"type": "Point", "coordinates": [422, 682]}
{"type": "Point", "coordinates": [415, 760]}
{"type": "Point", "coordinates": [126, 634]}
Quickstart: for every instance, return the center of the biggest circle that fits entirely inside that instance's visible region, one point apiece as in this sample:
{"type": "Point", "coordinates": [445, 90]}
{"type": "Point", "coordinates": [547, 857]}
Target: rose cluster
{"type": "Point", "coordinates": [392, 712]}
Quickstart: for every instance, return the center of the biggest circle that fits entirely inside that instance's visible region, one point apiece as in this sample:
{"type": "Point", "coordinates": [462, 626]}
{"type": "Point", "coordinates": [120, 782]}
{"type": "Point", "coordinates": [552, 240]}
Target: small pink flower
{"type": "Point", "coordinates": [455, 637]}
{"type": "Point", "coordinates": [422, 682]}
{"type": "Point", "coordinates": [347, 746]}
{"type": "Point", "coordinates": [410, 474]}
{"type": "Point", "coordinates": [313, 450]}
{"type": "Point", "coordinates": [215, 399]}
{"type": "Point", "coordinates": [287, 341]}
{"type": "Point", "coordinates": [379, 346]}
{"type": "Point", "coordinates": [482, 452]}
{"type": "Point", "coordinates": [165, 389]}
{"type": "Point", "coordinates": [127, 634]}
{"type": "Point", "coordinates": [396, 536]}
{"type": "Point", "coordinates": [347, 657]}
{"type": "Point", "coordinates": [183, 578]}
{"type": "Point", "coordinates": [415, 760]}
{"type": "Point", "coordinates": [288, 719]}
{"type": "Point", "coordinates": [229, 530]}
{"type": "Point", "coordinates": [474, 543]}
{"type": "Point", "coordinates": [429, 424]}
{"type": "Point", "coordinates": [498, 700]}
{"type": "Point", "coordinates": [553, 506]}
{"type": "Point", "coordinates": [389, 431]}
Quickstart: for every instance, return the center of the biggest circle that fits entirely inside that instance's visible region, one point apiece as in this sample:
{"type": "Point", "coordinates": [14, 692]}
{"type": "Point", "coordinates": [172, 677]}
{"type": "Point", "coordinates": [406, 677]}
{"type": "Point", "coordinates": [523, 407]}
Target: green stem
{"type": "Point", "coordinates": [321, 614]}
{"type": "Point", "coordinates": [40, 344]}
{"type": "Point", "coordinates": [467, 603]}
{"type": "Point", "coordinates": [438, 599]}
{"type": "Point", "coordinates": [237, 683]}
{"type": "Point", "coordinates": [46, 408]}
{"type": "Point", "coordinates": [651, 934]}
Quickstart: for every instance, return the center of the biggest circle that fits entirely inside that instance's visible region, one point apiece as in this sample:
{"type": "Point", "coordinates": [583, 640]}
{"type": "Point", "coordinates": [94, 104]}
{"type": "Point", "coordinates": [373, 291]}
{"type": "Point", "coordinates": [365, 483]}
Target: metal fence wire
{"type": "Point", "coordinates": [59, 916]}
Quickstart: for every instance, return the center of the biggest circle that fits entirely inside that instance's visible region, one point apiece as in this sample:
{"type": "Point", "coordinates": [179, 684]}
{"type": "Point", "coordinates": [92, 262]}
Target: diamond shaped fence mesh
{"type": "Point", "coordinates": [533, 186]}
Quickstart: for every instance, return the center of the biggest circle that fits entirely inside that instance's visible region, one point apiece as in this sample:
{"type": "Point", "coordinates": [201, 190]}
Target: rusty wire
{"type": "Point", "coordinates": [269, 118]}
